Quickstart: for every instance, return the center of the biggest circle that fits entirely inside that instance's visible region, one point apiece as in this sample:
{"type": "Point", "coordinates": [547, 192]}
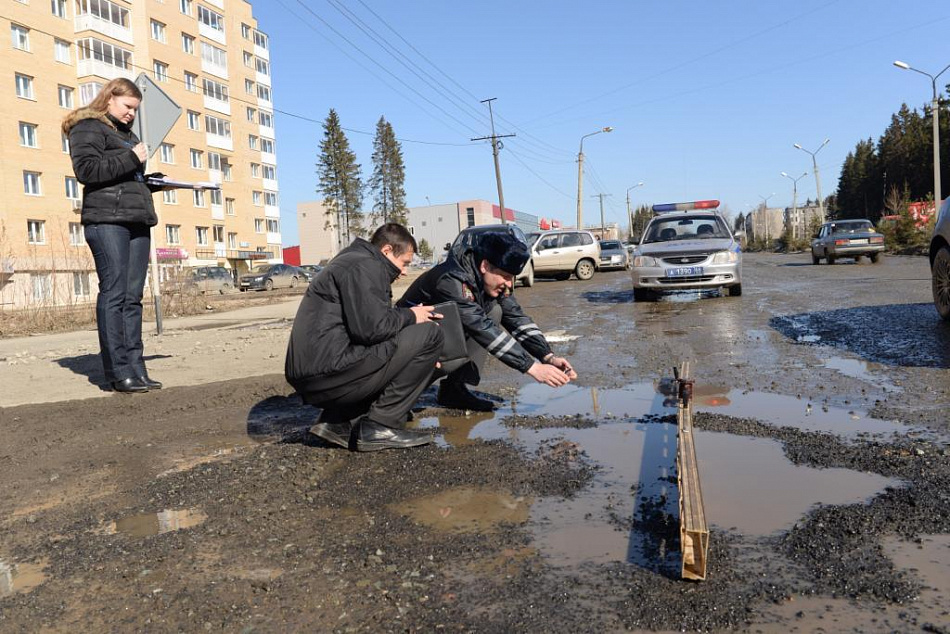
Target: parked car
{"type": "Point", "coordinates": [270, 276]}
{"type": "Point", "coordinates": [202, 280]}
{"type": "Point", "coordinates": [470, 235]}
{"type": "Point", "coordinates": [687, 246]}
{"type": "Point", "coordinates": [847, 239]}
{"type": "Point", "coordinates": [613, 255]}
{"type": "Point", "coordinates": [940, 261]}
{"type": "Point", "coordinates": [310, 270]}
{"type": "Point", "coordinates": [559, 252]}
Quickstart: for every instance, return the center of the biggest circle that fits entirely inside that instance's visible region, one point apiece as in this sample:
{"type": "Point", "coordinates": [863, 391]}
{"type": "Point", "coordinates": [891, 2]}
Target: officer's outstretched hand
{"type": "Point", "coordinates": [549, 374]}
{"type": "Point", "coordinates": [425, 313]}
{"type": "Point", "coordinates": [563, 364]}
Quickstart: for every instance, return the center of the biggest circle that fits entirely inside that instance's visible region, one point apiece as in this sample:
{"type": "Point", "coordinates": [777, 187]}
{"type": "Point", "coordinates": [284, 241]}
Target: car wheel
{"type": "Point", "coordinates": [293, 282]}
{"type": "Point", "coordinates": [831, 260]}
{"type": "Point", "coordinates": [584, 270]}
{"type": "Point", "coordinates": [735, 290]}
{"type": "Point", "coordinates": [225, 289]}
{"type": "Point", "coordinates": [941, 282]}
{"type": "Point", "coordinates": [642, 295]}
{"type": "Point", "coordinates": [269, 285]}
{"type": "Point", "coordinates": [815, 259]}
{"type": "Point", "coordinates": [876, 257]}
{"type": "Point", "coordinates": [528, 279]}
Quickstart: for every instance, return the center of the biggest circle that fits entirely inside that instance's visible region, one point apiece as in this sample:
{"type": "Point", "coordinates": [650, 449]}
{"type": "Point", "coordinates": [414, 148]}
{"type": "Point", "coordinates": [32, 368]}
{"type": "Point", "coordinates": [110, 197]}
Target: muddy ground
{"type": "Point", "coordinates": [822, 399]}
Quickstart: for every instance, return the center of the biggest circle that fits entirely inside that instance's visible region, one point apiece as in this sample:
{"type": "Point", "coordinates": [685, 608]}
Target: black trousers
{"type": "Point", "coordinates": [471, 372]}
{"type": "Point", "coordinates": [387, 394]}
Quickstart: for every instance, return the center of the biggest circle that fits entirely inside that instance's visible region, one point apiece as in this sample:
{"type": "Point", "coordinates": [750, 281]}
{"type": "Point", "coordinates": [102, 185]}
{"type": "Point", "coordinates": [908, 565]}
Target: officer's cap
{"type": "Point", "coordinates": [503, 251]}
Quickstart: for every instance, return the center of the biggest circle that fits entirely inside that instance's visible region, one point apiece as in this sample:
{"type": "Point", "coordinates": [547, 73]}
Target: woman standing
{"type": "Point", "coordinates": [117, 212]}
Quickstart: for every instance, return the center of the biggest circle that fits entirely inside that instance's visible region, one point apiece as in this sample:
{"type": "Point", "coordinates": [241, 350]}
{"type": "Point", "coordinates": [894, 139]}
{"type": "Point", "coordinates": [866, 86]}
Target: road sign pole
{"type": "Point", "coordinates": [152, 249]}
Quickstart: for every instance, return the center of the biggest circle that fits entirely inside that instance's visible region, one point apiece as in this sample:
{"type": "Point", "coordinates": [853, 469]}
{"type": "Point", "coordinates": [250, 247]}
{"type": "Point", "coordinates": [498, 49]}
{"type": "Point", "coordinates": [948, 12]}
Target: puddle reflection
{"type": "Point", "coordinates": [15, 578]}
{"type": "Point", "coordinates": [149, 524]}
{"type": "Point", "coordinates": [857, 369]}
{"type": "Point", "coordinates": [467, 510]}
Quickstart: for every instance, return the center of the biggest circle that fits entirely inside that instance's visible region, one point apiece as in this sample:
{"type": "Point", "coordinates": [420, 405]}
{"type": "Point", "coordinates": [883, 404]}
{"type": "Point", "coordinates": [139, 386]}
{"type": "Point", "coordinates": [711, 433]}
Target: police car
{"type": "Point", "coordinates": [687, 246]}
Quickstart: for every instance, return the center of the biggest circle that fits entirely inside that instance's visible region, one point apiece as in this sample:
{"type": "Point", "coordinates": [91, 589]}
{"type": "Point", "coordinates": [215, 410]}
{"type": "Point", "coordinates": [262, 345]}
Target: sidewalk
{"type": "Point", "coordinates": [191, 351]}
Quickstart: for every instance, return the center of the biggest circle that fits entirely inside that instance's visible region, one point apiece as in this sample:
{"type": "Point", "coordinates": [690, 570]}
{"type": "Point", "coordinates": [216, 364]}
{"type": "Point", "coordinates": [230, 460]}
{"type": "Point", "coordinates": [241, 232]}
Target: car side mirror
{"type": "Point", "coordinates": [739, 234]}
{"type": "Point", "coordinates": [448, 246]}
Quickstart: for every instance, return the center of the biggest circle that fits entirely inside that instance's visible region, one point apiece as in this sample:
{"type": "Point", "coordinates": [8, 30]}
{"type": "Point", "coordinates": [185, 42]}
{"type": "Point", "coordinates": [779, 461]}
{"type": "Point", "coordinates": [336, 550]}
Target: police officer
{"type": "Point", "coordinates": [480, 281]}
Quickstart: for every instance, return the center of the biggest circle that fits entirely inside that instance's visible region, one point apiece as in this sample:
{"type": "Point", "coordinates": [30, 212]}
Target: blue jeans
{"type": "Point", "coordinates": [121, 255]}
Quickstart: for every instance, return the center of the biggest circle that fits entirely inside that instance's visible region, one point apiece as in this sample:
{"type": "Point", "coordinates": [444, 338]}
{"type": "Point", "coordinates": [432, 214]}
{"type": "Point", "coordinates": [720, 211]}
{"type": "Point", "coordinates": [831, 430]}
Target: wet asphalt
{"type": "Point", "coordinates": [821, 407]}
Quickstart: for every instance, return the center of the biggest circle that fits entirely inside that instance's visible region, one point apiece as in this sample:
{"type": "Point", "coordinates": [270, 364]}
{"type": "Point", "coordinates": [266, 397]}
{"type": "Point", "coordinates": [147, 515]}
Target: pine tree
{"type": "Point", "coordinates": [340, 182]}
{"type": "Point", "coordinates": [389, 176]}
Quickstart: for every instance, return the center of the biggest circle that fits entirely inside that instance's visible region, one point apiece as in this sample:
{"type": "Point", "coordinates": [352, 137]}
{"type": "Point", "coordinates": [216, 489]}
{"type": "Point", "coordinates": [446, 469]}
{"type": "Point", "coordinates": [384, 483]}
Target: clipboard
{"type": "Point", "coordinates": [454, 351]}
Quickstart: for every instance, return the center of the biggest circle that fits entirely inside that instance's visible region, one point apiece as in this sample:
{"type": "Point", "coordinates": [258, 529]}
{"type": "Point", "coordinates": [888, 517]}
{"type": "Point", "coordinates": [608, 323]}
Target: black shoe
{"type": "Point", "coordinates": [130, 385]}
{"type": "Point", "coordinates": [456, 396]}
{"type": "Point", "coordinates": [336, 433]}
{"type": "Point", "coordinates": [371, 436]}
{"type": "Point", "coordinates": [150, 383]}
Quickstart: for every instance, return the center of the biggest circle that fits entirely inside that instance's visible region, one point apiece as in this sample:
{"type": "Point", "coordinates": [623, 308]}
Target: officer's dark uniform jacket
{"type": "Point", "coordinates": [345, 317]}
{"type": "Point", "coordinates": [460, 281]}
{"type": "Point", "coordinates": [114, 189]}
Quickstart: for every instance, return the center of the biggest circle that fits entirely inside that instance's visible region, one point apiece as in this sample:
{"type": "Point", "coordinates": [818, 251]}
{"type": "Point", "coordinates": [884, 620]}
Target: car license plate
{"type": "Point", "coordinates": [684, 271]}
{"type": "Point", "coordinates": [859, 241]}
{"type": "Point", "coordinates": [615, 259]}
{"type": "Point", "coordinates": [245, 283]}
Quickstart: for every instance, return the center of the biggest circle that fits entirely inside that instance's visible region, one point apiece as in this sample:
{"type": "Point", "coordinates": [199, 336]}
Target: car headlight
{"type": "Point", "coordinates": [259, 279]}
{"type": "Point", "coordinates": [644, 260]}
{"type": "Point", "coordinates": [725, 257]}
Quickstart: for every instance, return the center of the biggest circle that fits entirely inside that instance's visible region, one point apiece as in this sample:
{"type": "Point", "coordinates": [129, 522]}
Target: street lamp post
{"type": "Point", "coordinates": [629, 215]}
{"type": "Point", "coordinates": [789, 227]}
{"type": "Point", "coordinates": [580, 175]}
{"type": "Point", "coordinates": [765, 212]}
{"type": "Point", "coordinates": [936, 114]}
{"type": "Point", "coordinates": [814, 165]}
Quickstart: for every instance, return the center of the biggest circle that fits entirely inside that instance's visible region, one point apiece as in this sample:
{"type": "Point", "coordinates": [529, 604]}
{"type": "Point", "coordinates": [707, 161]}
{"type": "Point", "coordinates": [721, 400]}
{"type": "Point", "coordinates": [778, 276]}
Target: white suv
{"type": "Point", "coordinates": [560, 252]}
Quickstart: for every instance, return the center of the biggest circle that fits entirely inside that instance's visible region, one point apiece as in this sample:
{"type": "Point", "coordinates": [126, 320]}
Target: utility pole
{"type": "Point", "coordinates": [629, 215]}
{"type": "Point", "coordinates": [603, 228]}
{"type": "Point", "coordinates": [495, 146]}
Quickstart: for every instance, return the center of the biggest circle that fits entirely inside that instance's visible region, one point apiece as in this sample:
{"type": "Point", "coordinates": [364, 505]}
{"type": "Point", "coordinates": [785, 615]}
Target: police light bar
{"type": "Point", "coordinates": [696, 204]}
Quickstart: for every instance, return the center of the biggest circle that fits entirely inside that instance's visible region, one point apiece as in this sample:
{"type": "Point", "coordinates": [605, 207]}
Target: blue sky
{"type": "Point", "coordinates": [706, 98]}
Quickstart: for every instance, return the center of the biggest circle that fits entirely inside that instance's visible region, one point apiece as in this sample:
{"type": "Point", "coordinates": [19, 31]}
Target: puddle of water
{"type": "Point", "coordinates": [858, 369]}
{"type": "Point", "coordinates": [748, 483]}
{"type": "Point", "coordinates": [212, 325]}
{"type": "Point", "coordinates": [467, 510]}
{"type": "Point", "coordinates": [15, 578]}
{"type": "Point", "coordinates": [559, 336]}
{"type": "Point", "coordinates": [808, 338]}
{"type": "Point", "coordinates": [149, 524]}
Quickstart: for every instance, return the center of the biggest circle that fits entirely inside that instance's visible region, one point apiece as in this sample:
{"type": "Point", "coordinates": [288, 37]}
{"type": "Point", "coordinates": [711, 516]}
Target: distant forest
{"type": "Point", "coordinates": [898, 167]}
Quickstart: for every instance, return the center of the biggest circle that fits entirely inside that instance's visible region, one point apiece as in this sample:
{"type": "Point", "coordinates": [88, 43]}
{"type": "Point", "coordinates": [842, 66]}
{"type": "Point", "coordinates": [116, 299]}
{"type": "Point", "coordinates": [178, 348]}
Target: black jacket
{"type": "Point", "coordinates": [459, 280]}
{"type": "Point", "coordinates": [113, 178]}
{"type": "Point", "coordinates": [346, 316]}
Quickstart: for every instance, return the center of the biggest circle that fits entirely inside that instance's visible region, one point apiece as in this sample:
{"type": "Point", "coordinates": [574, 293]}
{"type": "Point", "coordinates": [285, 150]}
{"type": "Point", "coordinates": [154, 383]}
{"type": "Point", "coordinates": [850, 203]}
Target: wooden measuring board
{"type": "Point", "coordinates": [694, 534]}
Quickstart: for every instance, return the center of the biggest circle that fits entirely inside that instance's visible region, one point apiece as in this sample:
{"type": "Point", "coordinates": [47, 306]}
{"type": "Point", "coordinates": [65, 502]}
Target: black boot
{"type": "Point", "coordinates": [131, 385]}
{"type": "Point", "coordinates": [455, 395]}
{"type": "Point", "coordinates": [371, 436]}
{"type": "Point", "coordinates": [151, 384]}
{"type": "Point", "coordinates": [333, 428]}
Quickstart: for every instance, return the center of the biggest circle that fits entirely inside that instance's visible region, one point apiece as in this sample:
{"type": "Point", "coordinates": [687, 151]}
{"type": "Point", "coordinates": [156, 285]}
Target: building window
{"type": "Point", "coordinates": [77, 237]}
{"type": "Point", "coordinates": [258, 199]}
{"type": "Point", "coordinates": [167, 153]}
{"type": "Point", "coordinates": [201, 233]}
{"type": "Point", "coordinates": [172, 234]}
{"type": "Point", "coordinates": [262, 66]}
{"type": "Point", "coordinates": [61, 51]}
{"type": "Point", "coordinates": [269, 172]}
{"type": "Point", "coordinates": [196, 158]}
{"type": "Point", "coordinates": [42, 288]}
{"type": "Point", "coordinates": [105, 10]}
{"type": "Point", "coordinates": [248, 59]}
{"type": "Point", "coordinates": [20, 35]}
{"type": "Point", "coordinates": [36, 231]}
{"type": "Point", "coordinates": [470, 212]}
{"type": "Point", "coordinates": [211, 19]}
{"type": "Point", "coordinates": [249, 86]}
{"type": "Point", "coordinates": [81, 284]}
{"type": "Point", "coordinates": [217, 233]}
{"type": "Point", "coordinates": [58, 8]}
{"type": "Point", "coordinates": [245, 31]}
{"type": "Point", "coordinates": [158, 31]}
{"type": "Point", "coordinates": [215, 195]}
{"type": "Point", "coordinates": [252, 141]}
{"type": "Point", "coordinates": [214, 125]}
{"type": "Point", "coordinates": [214, 55]}
{"type": "Point", "coordinates": [266, 119]}
{"type": "Point", "coordinates": [255, 170]}
{"type": "Point", "coordinates": [184, 6]}
{"type": "Point", "coordinates": [260, 40]}
{"type": "Point", "coordinates": [194, 120]}
{"type": "Point", "coordinates": [251, 114]}
{"type": "Point", "coordinates": [273, 225]}
{"type": "Point", "coordinates": [31, 183]}
{"type": "Point", "coordinates": [263, 92]}
{"type": "Point", "coordinates": [65, 94]}
{"type": "Point", "coordinates": [24, 86]}
{"type": "Point", "coordinates": [229, 206]}
{"type": "Point", "coordinates": [258, 225]}
{"type": "Point", "coordinates": [170, 196]}
{"type": "Point", "coordinates": [215, 161]}
{"type": "Point", "coordinates": [28, 134]}
{"type": "Point", "coordinates": [97, 50]}
{"type": "Point", "coordinates": [72, 188]}
{"type": "Point", "coordinates": [198, 197]}
{"type": "Point", "coordinates": [267, 145]}
{"type": "Point", "coordinates": [226, 171]}
{"type": "Point", "coordinates": [191, 82]}
{"type": "Point", "coordinates": [232, 240]}
{"type": "Point", "coordinates": [214, 89]}
{"type": "Point", "coordinates": [187, 43]}
{"type": "Point", "coordinates": [270, 199]}
{"type": "Point", "coordinates": [64, 142]}
{"type": "Point", "coordinates": [88, 92]}
{"type": "Point", "coordinates": [161, 70]}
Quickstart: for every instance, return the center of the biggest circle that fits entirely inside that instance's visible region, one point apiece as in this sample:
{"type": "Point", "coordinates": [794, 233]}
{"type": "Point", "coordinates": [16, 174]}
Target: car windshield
{"type": "Point", "coordinates": [858, 226]}
{"type": "Point", "coordinates": [532, 238]}
{"type": "Point", "coordinates": [610, 244]}
{"type": "Point", "coordinates": [260, 270]}
{"type": "Point", "coordinates": [680, 228]}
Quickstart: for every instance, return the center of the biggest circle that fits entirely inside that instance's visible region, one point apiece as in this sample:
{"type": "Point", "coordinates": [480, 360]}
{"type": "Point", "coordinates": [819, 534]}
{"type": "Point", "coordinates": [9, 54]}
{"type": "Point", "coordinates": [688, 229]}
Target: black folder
{"type": "Point", "coordinates": [454, 352]}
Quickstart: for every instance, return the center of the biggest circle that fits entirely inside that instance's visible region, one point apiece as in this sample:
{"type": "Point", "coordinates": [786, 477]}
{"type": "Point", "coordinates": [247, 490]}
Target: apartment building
{"type": "Point", "coordinates": [211, 59]}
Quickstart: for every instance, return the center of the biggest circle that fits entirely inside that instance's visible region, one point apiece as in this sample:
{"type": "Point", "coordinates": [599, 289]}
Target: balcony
{"type": "Point", "coordinates": [220, 142]}
{"type": "Point", "coordinates": [269, 157]}
{"type": "Point", "coordinates": [273, 237]}
{"type": "Point", "coordinates": [215, 69]}
{"type": "Point", "coordinates": [89, 22]}
{"type": "Point", "coordinates": [270, 185]}
{"type": "Point", "coordinates": [86, 67]}
{"type": "Point", "coordinates": [266, 131]}
{"type": "Point", "coordinates": [216, 3]}
{"type": "Point", "coordinates": [232, 254]}
{"type": "Point", "coordinates": [217, 212]}
{"type": "Point", "coordinates": [211, 103]}
{"type": "Point", "coordinates": [271, 211]}
{"type": "Point", "coordinates": [261, 78]}
{"type": "Point", "coordinates": [212, 34]}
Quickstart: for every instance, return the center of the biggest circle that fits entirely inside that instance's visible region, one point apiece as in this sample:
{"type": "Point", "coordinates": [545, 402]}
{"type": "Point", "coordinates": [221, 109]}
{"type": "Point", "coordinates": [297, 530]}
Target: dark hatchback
{"type": "Point", "coordinates": [270, 276]}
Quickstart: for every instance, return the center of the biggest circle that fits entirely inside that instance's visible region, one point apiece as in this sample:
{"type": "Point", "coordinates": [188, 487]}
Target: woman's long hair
{"type": "Point", "coordinates": [99, 106]}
